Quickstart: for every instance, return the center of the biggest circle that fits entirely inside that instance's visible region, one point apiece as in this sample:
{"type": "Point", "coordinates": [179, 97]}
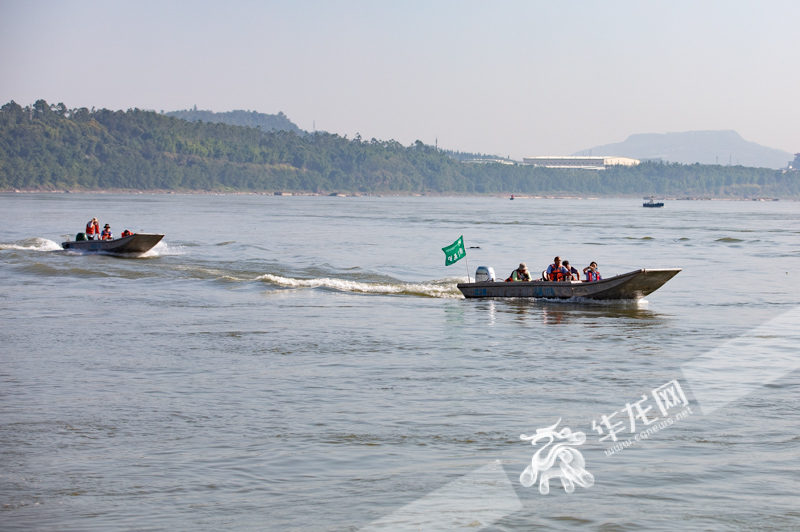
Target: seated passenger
{"type": "Point", "coordinates": [106, 234]}
{"type": "Point", "coordinates": [591, 273]}
{"type": "Point", "coordinates": [574, 275]}
{"type": "Point", "coordinates": [557, 272]}
{"type": "Point", "coordinates": [520, 274]}
{"type": "Point", "coordinates": [126, 233]}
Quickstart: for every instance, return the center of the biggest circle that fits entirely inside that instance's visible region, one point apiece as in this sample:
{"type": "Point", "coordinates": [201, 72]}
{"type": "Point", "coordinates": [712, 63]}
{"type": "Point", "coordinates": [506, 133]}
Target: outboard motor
{"type": "Point", "coordinates": [484, 274]}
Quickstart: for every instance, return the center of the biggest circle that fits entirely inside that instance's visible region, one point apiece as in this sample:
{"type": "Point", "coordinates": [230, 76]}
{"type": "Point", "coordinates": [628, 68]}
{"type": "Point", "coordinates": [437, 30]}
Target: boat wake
{"type": "Point", "coordinates": [162, 249]}
{"type": "Point", "coordinates": [32, 244]}
{"type": "Point", "coordinates": [440, 288]}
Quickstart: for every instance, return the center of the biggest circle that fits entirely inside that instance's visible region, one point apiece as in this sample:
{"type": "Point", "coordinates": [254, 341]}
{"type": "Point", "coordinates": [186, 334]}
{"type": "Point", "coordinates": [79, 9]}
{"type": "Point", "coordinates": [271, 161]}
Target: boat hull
{"type": "Point", "coordinates": [135, 243]}
{"type": "Point", "coordinates": [631, 285]}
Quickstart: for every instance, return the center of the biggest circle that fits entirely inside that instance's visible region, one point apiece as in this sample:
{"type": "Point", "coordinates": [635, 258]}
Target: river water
{"type": "Point", "coordinates": [307, 363]}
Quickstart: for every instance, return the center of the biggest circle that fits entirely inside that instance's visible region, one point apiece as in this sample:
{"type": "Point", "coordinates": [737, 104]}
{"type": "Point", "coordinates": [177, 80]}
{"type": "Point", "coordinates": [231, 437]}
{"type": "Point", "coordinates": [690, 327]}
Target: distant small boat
{"type": "Point", "coordinates": [512, 196]}
{"type": "Point", "coordinates": [652, 203]}
{"type": "Point", "coordinates": [631, 285]}
{"type": "Point", "coordinates": [135, 243]}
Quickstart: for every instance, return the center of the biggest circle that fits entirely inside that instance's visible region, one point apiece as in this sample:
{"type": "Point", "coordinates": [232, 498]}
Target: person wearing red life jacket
{"type": "Point", "coordinates": [106, 234]}
{"type": "Point", "coordinates": [126, 233]}
{"type": "Point", "coordinates": [591, 273]}
{"type": "Point", "coordinates": [93, 228]}
{"type": "Point", "coordinates": [557, 272]}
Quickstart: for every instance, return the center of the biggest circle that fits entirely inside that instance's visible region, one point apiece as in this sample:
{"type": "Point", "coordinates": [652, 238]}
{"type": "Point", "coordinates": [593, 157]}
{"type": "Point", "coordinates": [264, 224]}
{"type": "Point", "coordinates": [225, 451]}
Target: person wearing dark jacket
{"type": "Point", "coordinates": [574, 274]}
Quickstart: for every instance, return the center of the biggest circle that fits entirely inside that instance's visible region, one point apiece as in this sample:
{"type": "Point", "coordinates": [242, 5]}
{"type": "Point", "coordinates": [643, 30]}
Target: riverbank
{"type": "Point", "coordinates": [374, 195]}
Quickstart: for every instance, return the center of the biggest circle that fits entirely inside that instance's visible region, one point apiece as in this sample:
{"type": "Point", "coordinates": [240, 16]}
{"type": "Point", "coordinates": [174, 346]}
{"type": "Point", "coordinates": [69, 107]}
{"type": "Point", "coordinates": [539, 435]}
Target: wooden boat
{"type": "Point", "coordinates": [652, 203]}
{"type": "Point", "coordinates": [631, 285]}
{"type": "Point", "coordinates": [135, 243]}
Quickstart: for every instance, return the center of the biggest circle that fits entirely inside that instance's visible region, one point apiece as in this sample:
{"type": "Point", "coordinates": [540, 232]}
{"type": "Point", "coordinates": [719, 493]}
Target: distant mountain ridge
{"type": "Point", "coordinates": [704, 147]}
{"type": "Point", "coordinates": [278, 122]}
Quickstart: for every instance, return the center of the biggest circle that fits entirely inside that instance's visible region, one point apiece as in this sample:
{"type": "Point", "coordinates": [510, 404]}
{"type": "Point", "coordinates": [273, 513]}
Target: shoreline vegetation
{"type": "Point", "coordinates": [50, 148]}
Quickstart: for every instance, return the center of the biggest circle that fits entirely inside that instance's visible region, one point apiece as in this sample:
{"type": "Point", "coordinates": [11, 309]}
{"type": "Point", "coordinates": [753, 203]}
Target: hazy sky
{"type": "Point", "coordinates": [513, 78]}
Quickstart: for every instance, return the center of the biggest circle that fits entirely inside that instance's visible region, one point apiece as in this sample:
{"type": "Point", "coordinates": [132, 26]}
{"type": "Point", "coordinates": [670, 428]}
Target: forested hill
{"type": "Point", "coordinates": [51, 147]}
{"type": "Point", "coordinates": [278, 122]}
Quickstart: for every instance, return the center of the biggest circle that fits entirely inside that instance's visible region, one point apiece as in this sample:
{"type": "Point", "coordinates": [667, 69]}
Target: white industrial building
{"type": "Point", "coordinates": [589, 162]}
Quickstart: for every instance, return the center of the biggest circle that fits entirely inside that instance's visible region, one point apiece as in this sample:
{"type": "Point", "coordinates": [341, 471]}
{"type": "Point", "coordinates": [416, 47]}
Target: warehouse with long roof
{"type": "Point", "coordinates": [589, 162]}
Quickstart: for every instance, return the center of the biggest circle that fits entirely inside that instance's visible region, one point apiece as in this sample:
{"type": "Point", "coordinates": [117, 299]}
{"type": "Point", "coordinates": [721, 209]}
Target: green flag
{"type": "Point", "coordinates": [454, 252]}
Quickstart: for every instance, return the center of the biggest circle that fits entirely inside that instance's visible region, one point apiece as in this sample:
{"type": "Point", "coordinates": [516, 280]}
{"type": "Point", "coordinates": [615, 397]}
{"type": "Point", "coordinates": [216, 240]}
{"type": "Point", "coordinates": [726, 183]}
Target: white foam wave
{"type": "Point", "coordinates": [33, 244]}
{"type": "Point", "coordinates": [163, 249]}
{"type": "Point", "coordinates": [444, 288]}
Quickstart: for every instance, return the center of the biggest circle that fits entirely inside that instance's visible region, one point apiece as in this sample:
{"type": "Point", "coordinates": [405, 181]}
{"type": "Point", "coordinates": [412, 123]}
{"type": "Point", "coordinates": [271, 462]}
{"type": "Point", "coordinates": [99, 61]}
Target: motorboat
{"type": "Point", "coordinates": [631, 285]}
{"type": "Point", "coordinates": [652, 203]}
{"type": "Point", "coordinates": [135, 243]}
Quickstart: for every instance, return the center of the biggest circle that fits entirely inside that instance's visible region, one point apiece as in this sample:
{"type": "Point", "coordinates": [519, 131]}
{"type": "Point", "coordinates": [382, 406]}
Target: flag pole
{"type": "Point", "coordinates": [467, 261]}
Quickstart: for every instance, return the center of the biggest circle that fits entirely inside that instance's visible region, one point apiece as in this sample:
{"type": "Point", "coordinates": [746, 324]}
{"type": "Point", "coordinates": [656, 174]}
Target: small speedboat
{"type": "Point", "coordinates": [631, 285]}
{"type": "Point", "coordinates": [135, 243]}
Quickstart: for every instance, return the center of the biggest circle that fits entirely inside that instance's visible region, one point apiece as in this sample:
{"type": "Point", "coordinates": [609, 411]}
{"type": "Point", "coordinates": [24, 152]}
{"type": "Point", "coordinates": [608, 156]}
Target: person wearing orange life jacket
{"type": "Point", "coordinates": [591, 273]}
{"type": "Point", "coordinates": [93, 228]}
{"type": "Point", "coordinates": [520, 274]}
{"type": "Point", "coordinates": [106, 234]}
{"type": "Point", "coordinates": [126, 233]}
{"type": "Point", "coordinates": [557, 272]}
